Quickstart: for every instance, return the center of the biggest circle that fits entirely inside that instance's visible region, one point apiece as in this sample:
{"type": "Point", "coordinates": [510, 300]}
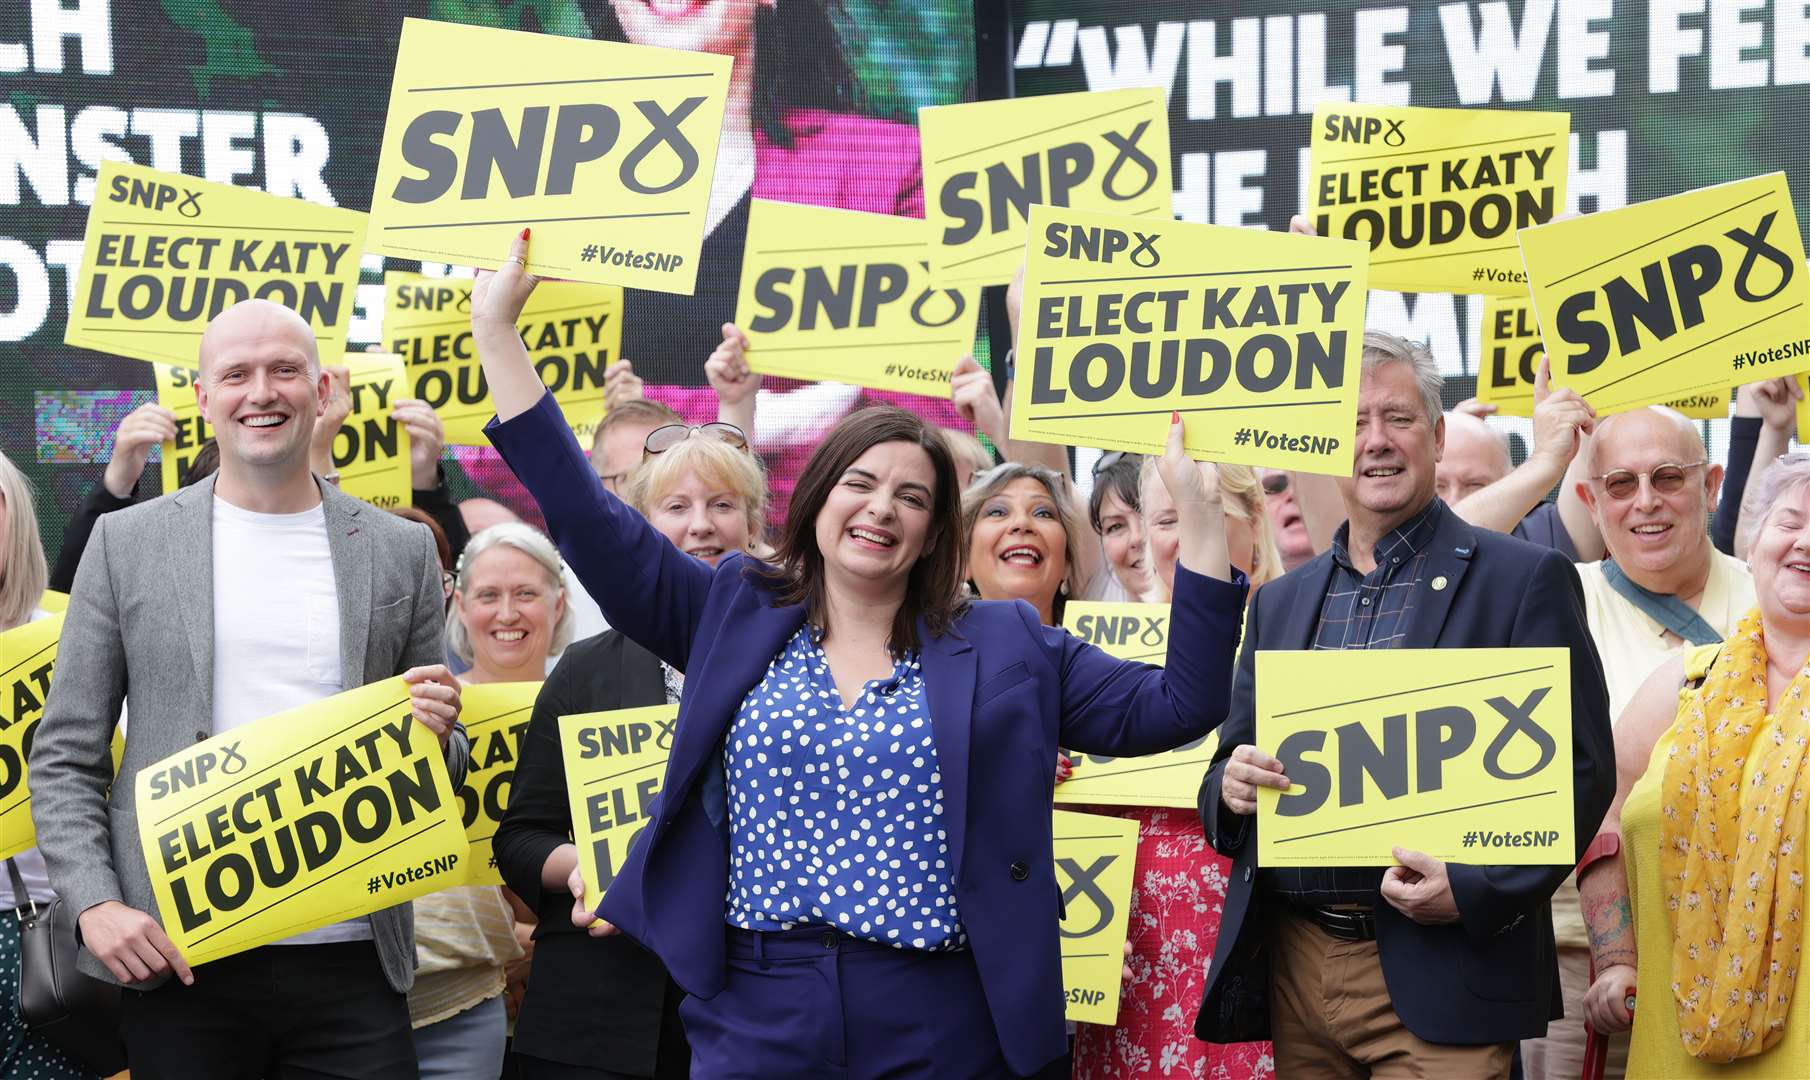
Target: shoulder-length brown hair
{"type": "Point", "coordinates": [933, 590]}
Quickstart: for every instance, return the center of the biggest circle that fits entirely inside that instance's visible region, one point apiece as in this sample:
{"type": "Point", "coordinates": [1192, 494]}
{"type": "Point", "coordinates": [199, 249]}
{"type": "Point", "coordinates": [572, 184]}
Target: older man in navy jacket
{"type": "Point", "coordinates": [1427, 968]}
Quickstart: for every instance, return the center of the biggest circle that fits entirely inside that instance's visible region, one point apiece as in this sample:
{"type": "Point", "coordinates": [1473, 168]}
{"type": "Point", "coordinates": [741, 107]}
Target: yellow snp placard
{"type": "Point", "coordinates": [986, 163]}
{"type": "Point", "coordinates": [573, 332]}
{"type": "Point", "coordinates": [495, 715]}
{"type": "Point", "coordinates": [53, 600]}
{"type": "Point", "coordinates": [28, 658]}
{"type": "Point", "coordinates": [176, 392]}
{"type": "Point", "coordinates": [843, 296]}
{"type": "Point", "coordinates": [615, 763]}
{"type": "Point", "coordinates": [1254, 337]}
{"type": "Point", "coordinates": [371, 449]}
{"type": "Point", "coordinates": [1675, 297]}
{"type": "Point", "coordinates": [1172, 778]}
{"type": "Point", "coordinates": [1461, 754]}
{"type": "Point", "coordinates": [1095, 860]}
{"type": "Point", "coordinates": [1437, 194]}
{"type": "Point", "coordinates": [165, 253]}
{"type": "Point", "coordinates": [605, 150]}
{"type": "Point", "coordinates": [1511, 358]}
{"type": "Point", "coordinates": [304, 818]}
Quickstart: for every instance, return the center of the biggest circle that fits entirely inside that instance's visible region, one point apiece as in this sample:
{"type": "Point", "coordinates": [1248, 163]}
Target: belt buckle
{"type": "Point", "coordinates": [1351, 925]}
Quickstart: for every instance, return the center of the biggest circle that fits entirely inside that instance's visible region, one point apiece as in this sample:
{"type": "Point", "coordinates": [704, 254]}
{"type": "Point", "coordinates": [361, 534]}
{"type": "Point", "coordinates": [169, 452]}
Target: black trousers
{"type": "Point", "coordinates": [280, 1012]}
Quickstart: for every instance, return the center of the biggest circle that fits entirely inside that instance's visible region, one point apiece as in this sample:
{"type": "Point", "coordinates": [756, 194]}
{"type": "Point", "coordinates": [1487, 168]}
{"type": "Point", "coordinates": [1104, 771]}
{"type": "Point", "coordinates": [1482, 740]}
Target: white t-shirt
{"type": "Point", "coordinates": [276, 630]}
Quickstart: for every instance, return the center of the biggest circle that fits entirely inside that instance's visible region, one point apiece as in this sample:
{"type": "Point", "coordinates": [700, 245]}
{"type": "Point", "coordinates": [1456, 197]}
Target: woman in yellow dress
{"type": "Point", "coordinates": [1699, 916]}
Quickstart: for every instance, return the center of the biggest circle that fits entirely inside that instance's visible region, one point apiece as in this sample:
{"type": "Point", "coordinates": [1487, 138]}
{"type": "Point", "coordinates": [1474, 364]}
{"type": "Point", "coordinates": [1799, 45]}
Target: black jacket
{"type": "Point", "coordinates": [1493, 975]}
{"type": "Point", "coordinates": [599, 1002]}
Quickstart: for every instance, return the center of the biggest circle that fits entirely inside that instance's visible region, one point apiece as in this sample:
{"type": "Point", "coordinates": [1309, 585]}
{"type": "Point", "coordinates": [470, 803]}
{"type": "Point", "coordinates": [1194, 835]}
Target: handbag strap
{"type": "Point", "coordinates": [19, 890]}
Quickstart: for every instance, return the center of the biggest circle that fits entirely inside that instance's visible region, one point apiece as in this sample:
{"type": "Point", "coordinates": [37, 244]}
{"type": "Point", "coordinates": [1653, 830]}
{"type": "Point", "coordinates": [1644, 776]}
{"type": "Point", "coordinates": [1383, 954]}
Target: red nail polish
{"type": "Point", "coordinates": [1175, 417]}
{"type": "Point", "coordinates": [524, 233]}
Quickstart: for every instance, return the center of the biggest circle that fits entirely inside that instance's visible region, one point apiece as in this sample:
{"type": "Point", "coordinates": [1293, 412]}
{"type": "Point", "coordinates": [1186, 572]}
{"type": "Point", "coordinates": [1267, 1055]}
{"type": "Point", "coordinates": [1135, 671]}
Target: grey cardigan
{"type": "Point", "coordinates": [140, 629]}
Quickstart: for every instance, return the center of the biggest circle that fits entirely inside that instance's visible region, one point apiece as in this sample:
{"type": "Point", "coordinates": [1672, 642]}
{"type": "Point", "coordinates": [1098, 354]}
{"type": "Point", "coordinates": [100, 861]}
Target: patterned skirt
{"type": "Point", "coordinates": [1176, 899]}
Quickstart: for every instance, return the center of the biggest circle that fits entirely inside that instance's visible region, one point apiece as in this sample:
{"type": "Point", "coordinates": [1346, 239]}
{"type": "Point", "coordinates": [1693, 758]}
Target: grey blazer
{"type": "Point", "coordinates": [140, 628]}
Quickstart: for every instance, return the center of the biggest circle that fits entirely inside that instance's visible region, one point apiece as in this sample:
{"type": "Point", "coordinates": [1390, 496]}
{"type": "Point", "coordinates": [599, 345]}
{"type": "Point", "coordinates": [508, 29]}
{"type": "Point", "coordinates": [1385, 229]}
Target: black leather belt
{"type": "Point", "coordinates": [1346, 924]}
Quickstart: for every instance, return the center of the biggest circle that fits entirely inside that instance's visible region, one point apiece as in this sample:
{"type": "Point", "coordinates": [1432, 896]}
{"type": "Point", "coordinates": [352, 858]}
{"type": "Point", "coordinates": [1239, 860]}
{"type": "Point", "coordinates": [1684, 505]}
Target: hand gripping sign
{"type": "Point", "coordinates": [1675, 297]}
{"type": "Point", "coordinates": [1095, 860]}
{"type": "Point", "coordinates": [987, 162]}
{"type": "Point", "coordinates": [1463, 754]}
{"type": "Point", "coordinates": [176, 392]}
{"type": "Point", "coordinates": [165, 253]}
{"type": "Point", "coordinates": [1511, 358]}
{"type": "Point", "coordinates": [495, 715]}
{"type": "Point", "coordinates": [1437, 193]}
{"type": "Point", "coordinates": [1171, 778]}
{"type": "Point", "coordinates": [1253, 336]}
{"type": "Point", "coordinates": [28, 657]}
{"type": "Point", "coordinates": [615, 763]}
{"type": "Point", "coordinates": [573, 332]}
{"type": "Point", "coordinates": [371, 449]}
{"type": "Point", "coordinates": [314, 815]}
{"type": "Point", "coordinates": [611, 146]}
{"type": "Point", "coordinates": [844, 296]}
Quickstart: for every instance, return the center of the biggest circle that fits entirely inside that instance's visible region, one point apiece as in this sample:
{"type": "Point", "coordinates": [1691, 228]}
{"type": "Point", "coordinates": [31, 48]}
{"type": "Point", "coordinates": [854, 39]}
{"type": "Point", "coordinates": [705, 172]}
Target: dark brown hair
{"type": "Point", "coordinates": [1121, 478]}
{"type": "Point", "coordinates": [933, 590]}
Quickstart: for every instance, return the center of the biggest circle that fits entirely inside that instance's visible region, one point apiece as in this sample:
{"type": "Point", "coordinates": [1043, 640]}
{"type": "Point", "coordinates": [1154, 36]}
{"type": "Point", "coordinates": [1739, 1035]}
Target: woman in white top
{"type": "Point", "coordinates": [23, 572]}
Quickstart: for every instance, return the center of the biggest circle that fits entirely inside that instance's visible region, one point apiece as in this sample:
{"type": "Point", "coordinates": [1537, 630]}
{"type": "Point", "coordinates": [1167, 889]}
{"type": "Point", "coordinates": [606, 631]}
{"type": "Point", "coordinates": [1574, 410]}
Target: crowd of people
{"type": "Point", "coordinates": [848, 871]}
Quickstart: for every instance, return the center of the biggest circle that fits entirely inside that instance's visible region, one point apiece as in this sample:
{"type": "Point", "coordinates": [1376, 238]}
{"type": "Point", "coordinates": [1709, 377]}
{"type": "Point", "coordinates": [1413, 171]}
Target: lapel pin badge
{"type": "Point", "coordinates": [1439, 583]}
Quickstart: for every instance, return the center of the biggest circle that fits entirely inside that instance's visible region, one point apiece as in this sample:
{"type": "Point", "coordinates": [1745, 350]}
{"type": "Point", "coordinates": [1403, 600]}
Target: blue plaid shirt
{"type": "Point", "coordinates": [1362, 611]}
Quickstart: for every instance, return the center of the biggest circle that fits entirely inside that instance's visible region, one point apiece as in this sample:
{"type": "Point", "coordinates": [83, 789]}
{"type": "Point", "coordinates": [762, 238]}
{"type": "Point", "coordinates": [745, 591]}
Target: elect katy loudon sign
{"type": "Point", "coordinates": [1253, 337]}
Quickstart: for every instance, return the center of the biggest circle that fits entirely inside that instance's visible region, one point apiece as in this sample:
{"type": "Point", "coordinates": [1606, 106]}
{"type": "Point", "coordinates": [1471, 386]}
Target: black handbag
{"type": "Point", "coordinates": [75, 1012]}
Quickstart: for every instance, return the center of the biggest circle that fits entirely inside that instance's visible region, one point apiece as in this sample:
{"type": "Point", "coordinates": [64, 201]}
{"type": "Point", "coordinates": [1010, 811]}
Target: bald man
{"type": "Point", "coordinates": [1649, 487]}
{"type": "Point", "coordinates": [260, 589]}
{"type": "Point", "coordinates": [1475, 457]}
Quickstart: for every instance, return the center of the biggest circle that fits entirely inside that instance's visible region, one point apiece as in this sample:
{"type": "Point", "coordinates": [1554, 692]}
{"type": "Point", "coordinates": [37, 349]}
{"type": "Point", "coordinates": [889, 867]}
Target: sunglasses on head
{"type": "Point", "coordinates": [664, 438]}
{"type": "Point", "coordinates": [1109, 459]}
{"type": "Point", "coordinates": [1667, 479]}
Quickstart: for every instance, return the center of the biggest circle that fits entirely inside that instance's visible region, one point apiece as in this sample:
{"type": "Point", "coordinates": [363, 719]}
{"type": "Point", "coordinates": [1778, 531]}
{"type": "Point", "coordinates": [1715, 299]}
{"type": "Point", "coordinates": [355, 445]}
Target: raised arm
{"type": "Point", "coordinates": [737, 386]}
{"type": "Point", "coordinates": [1561, 422]}
{"type": "Point", "coordinates": [647, 588]}
{"type": "Point", "coordinates": [1602, 884]}
{"type": "Point", "coordinates": [1127, 708]}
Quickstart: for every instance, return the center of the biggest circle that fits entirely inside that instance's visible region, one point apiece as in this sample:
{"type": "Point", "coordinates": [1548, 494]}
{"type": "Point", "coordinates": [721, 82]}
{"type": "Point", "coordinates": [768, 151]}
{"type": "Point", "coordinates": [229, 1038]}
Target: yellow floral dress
{"type": "Point", "coordinates": [1656, 1049]}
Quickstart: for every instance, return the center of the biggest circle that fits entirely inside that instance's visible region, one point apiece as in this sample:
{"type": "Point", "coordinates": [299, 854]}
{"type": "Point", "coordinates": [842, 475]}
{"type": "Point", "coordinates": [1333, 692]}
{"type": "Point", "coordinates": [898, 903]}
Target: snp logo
{"type": "Point", "coordinates": [1100, 245]}
{"type": "Point", "coordinates": [1047, 44]}
{"type": "Point", "coordinates": [1363, 129]}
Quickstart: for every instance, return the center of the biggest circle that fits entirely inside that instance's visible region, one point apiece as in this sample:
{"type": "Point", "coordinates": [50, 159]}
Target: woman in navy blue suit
{"type": "Point", "coordinates": [849, 868]}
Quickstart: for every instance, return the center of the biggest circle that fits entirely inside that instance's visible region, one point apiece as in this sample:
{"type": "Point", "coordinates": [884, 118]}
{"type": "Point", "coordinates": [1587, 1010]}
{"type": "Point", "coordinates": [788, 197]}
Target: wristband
{"type": "Point", "coordinates": [1603, 846]}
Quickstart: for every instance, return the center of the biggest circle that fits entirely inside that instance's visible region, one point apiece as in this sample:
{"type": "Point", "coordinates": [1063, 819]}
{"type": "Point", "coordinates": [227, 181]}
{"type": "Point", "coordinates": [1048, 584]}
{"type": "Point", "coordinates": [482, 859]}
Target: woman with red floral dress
{"type": "Point", "coordinates": [1179, 885]}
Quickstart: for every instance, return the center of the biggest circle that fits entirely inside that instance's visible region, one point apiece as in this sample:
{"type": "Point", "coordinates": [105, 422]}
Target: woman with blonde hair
{"type": "Point", "coordinates": [509, 613]}
{"type": "Point", "coordinates": [25, 882]}
{"type": "Point", "coordinates": [1250, 541]}
{"type": "Point", "coordinates": [1693, 890]}
{"type": "Point", "coordinates": [706, 493]}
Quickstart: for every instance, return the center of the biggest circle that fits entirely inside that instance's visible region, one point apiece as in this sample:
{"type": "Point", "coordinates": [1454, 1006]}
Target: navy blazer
{"type": "Point", "coordinates": [1003, 690]}
{"type": "Point", "coordinates": [1492, 976]}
